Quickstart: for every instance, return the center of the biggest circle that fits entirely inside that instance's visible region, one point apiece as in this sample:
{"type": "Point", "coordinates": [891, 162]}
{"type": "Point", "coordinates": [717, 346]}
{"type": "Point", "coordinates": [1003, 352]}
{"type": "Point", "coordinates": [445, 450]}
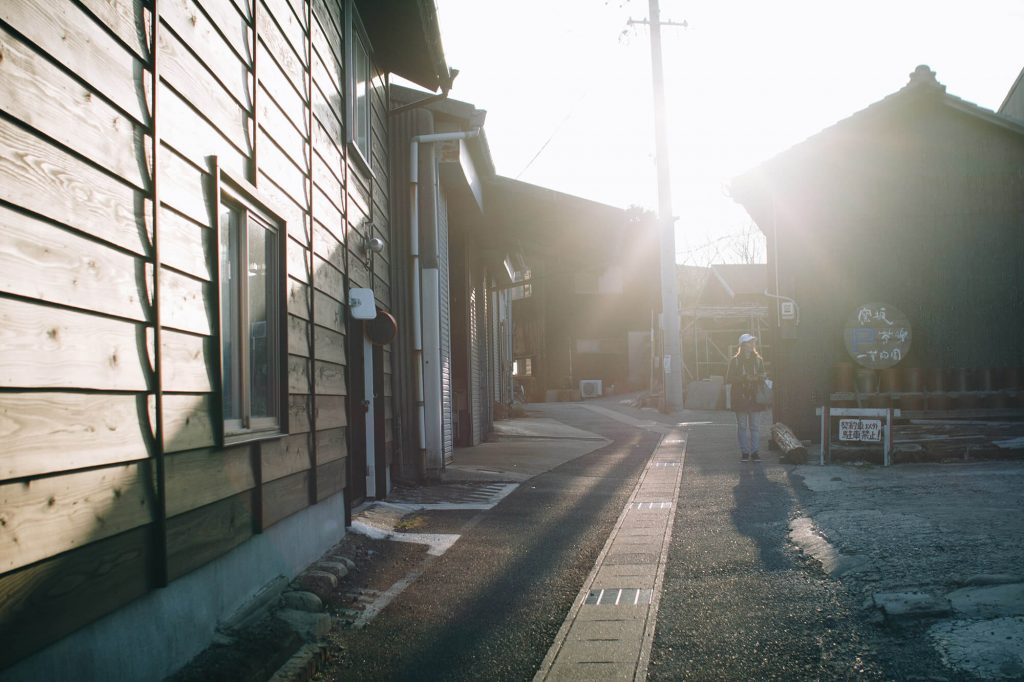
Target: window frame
{"type": "Point", "coordinates": [239, 196]}
{"type": "Point", "coordinates": [355, 33]}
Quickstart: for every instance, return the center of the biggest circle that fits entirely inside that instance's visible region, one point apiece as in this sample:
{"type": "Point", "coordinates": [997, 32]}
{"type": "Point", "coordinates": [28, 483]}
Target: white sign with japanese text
{"type": "Point", "coordinates": [861, 430]}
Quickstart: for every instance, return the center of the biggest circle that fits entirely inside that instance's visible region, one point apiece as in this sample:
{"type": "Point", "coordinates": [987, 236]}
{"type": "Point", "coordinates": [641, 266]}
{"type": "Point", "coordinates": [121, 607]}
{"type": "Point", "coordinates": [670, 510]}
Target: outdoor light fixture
{"type": "Point", "coordinates": [372, 245]}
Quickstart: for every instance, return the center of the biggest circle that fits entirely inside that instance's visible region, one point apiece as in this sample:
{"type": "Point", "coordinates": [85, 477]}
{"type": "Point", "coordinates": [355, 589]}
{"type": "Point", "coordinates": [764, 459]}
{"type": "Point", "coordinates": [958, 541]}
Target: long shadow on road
{"type": "Point", "coordinates": [491, 607]}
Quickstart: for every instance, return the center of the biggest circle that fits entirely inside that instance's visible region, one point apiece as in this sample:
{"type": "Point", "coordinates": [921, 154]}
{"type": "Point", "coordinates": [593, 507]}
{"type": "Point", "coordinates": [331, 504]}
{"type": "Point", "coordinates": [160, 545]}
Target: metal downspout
{"type": "Point", "coordinates": [416, 273]}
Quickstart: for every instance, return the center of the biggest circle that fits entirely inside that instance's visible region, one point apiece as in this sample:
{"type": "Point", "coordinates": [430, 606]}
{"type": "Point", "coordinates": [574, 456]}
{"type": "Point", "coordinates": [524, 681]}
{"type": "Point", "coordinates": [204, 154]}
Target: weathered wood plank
{"type": "Point", "coordinates": [330, 479]}
{"type": "Point", "coordinates": [330, 379]}
{"type": "Point", "coordinates": [185, 303]}
{"type": "Point", "coordinates": [188, 362]}
{"type": "Point", "coordinates": [332, 221]}
{"type": "Point", "coordinates": [328, 69]}
{"type": "Point", "coordinates": [233, 18]}
{"type": "Point", "coordinates": [358, 272]}
{"type": "Point", "coordinates": [229, 61]}
{"type": "Point", "coordinates": [276, 165]}
{"type": "Point", "coordinates": [42, 433]}
{"type": "Point", "coordinates": [71, 37]}
{"type": "Point", "coordinates": [43, 602]}
{"type": "Point", "coordinates": [37, 176]}
{"type": "Point", "coordinates": [330, 445]}
{"type": "Point", "coordinates": [298, 261]}
{"type": "Point", "coordinates": [194, 138]}
{"type": "Point", "coordinates": [185, 245]}
{"type": "Point", "coordinates": [329, 247]}
{"type": "Point", "coordinates": [277, 86]}
{"type": "Point", "coordinates": [200, 536]}
{"type": "Point", "coordinates": [125, 19]}
{"type": "Point", "coordinates": [185, 187]}
{"type": "Point", "coordinates": [284, 40]}
{"type": "Point", "coordinates": [298, 413]}
{"type": "Point", "coordinates": [327, 23]}
{"type": "Point", "coordinates": [327, 148]}
{"type": "Point", "coordinates": [227, 110]}
{"type": "Point", "coordinates": [328, 104]}
{"type": "Point", "coordinates": [331, 188]}
{"type": "Point", "coordinates": [298, 299]}
{"type": "Point", "coordinates": [329, 279]}
{"type": "Point", "coordinates": [283, 206]}
{"type": "Point", "coordinates": [46, 347]}
{"type": "Point", "coordinates": [59, 513]}
{"type": "Point", "coordinates": [285, 134]}
{"type": "Point", "coordinates": [45, 97]}
{"type": "Point", "coordinates": [298, 336]}
{"type": "Point", "coordinates": [201, 477]}
{"type": "Point", "coordinates": [284, 457]}
{"type": "Point", "coordinates": [329, 345]}
{"type": "Point", "coordinates": [329, 312]}
{"type": "Point", "coordinates": [187, 422]}
{"type": "Point", "coordinates": [331, 411]}
{"type": "Point", "coordinates": [298, 375]}
{"type": "Point", "coordinates": [43, 261]}
{"type": "Point", "coordinates": [284, 497]}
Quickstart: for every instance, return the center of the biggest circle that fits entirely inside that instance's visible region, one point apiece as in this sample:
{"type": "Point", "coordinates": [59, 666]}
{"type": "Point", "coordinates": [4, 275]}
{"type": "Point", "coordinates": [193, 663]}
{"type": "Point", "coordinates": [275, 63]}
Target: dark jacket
{"type": "Point", "coordinates": [746, 375]}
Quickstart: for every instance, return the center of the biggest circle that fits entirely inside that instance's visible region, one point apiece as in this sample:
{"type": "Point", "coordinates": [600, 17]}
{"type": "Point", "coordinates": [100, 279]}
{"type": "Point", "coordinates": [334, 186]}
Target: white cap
{"type": "Point", "coordinates": [744, 338]}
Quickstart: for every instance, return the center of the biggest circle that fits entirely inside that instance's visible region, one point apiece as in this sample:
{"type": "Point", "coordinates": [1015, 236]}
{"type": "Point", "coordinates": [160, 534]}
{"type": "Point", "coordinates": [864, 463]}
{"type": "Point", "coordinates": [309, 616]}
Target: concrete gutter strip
{"type": "Point", "coordinates": [609, 631]}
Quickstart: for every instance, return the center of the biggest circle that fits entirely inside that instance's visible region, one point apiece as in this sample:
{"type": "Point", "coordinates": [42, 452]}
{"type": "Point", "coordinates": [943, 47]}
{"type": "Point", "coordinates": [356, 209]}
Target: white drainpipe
{"type": "Point", "coordinates": [416, 274]}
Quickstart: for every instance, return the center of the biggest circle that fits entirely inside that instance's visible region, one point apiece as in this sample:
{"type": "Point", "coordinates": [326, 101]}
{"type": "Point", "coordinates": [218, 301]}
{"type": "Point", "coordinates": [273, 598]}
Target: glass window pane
{"type": "Point", "coordinates": [361, 69]}
{"type": "Point", "coordinates": [229, 296]}
{"type": "Point", "coordinates": [261, 321]}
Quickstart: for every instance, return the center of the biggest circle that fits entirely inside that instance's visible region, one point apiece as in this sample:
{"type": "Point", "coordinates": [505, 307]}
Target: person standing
{"type": "Point", "coordinates": [745, 375]}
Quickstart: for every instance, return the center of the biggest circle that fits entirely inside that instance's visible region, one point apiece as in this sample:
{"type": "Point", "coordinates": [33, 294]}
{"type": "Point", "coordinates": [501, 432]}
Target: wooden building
{"type": "Point", "coordinates": [593, 291]}
{"type": "Point", "coordinates": [916, 201]}
{"type": "Point", "coordinates": [188, 191]}
{"type": "Point", "coordinates": [731, 302]}
{"type": "Point", "coordinates": [459, 340]}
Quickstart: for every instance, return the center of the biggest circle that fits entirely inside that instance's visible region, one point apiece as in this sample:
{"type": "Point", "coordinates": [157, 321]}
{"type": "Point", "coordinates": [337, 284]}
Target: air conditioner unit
{"type": "Point", "coordinates": [590, 388]}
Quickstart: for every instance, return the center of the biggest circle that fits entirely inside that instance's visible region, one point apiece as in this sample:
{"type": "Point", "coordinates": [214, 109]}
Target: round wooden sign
{"type": "Point", "coordinates": [877, 335]}
{"type": "Point", "coordinates": [381, 330]}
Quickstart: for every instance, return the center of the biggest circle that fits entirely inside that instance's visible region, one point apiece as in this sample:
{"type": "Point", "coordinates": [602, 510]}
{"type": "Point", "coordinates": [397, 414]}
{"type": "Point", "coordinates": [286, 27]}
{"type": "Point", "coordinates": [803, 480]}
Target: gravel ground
{"type": "Point", "coordinates": [940, 531]}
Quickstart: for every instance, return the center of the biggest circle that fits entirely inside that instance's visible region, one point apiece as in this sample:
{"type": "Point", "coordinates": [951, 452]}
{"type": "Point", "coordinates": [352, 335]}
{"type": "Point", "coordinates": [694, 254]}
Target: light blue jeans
{"type": "Point", "coordinates": [747, 426]}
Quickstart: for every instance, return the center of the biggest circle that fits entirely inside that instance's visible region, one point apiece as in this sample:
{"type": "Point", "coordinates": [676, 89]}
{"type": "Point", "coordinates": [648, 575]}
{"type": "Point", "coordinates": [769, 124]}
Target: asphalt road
{"type": "Point", "coordinates": [739, 603]}
{"type": "Point", "coordinates": [490, 607]}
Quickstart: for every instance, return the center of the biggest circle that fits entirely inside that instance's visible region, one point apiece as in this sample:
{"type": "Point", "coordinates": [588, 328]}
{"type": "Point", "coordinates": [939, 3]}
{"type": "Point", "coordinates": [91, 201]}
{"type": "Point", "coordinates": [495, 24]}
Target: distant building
{"type": "Point", "coordinates": [731, 302]}
{"type": "Point", "coordinates": [585, 313]}
{"type": "Point", "coordinates": [914, 204]}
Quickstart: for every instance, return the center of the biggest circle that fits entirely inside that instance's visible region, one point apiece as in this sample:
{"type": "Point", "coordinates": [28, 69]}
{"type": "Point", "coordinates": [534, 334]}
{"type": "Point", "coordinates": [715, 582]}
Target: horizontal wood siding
{"type": "Point", "coordinates": [78, 345]}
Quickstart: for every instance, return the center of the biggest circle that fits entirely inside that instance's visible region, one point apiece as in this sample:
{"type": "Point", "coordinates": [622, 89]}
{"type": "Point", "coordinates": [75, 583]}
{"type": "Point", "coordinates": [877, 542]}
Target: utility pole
{"type": "Point", "coordinates": [673, 361]}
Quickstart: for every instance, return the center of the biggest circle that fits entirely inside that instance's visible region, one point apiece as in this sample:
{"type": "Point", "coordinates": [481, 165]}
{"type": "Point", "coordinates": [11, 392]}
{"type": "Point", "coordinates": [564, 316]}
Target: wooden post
{"type": "Point", "coordinates": [160, 510]}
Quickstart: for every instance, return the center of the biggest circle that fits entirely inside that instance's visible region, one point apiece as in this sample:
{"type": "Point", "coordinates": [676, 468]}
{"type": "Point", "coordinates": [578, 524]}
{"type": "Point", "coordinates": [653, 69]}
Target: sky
{"type": "Point", "coordinates": [567, 87]}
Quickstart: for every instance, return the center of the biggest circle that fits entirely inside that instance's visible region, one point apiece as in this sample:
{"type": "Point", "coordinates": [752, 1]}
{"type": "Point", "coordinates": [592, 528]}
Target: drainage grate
{"type": "Point", "coordinates": [652, 505]}
{"type": "Point", "coordinates": [667, 464]}
{"type": "Point", "coordinates": [620, 596]}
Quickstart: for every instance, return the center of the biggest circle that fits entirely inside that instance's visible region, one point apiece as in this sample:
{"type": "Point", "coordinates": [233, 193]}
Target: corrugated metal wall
{"type": "Point", "coordinates": [447, 423]}
{"type": "Point", "coordinates": [476, 332]}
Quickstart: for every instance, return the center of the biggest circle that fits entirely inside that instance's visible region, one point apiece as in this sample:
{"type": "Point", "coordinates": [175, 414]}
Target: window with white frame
{"type": "Point", "coordinates": [252, 306]}
{"type": "Point", "coordinates": [358, 82]}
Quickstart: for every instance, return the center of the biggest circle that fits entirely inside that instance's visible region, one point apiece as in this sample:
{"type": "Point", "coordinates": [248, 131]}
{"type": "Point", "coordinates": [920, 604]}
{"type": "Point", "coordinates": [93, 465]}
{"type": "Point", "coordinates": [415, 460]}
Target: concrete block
{"type": "Point", "coordinates": [993, 579]}
{"type": "Point", "coordinates": [311, 626]}
{"type": "Point", "coordinates": [319, 583]}
{"type": "Point", "coordinates": [302, 601]}
{"type": "Point", "coordinates": [349, 564]}
{"type": "Point", "coordinates": [335, 568]}
{"type": "Point", "coordinates": [908, 605]}
{"type": "Point", "coordinates": [991, 601]}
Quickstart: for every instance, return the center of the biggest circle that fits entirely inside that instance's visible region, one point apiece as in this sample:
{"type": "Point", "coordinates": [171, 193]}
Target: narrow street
{"type": "Point", "coordinates": [738, 601]}
{"type": "Point", "coordinates": [739, 598]}
{"type": "Point", "coordinates": [490, 607]}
